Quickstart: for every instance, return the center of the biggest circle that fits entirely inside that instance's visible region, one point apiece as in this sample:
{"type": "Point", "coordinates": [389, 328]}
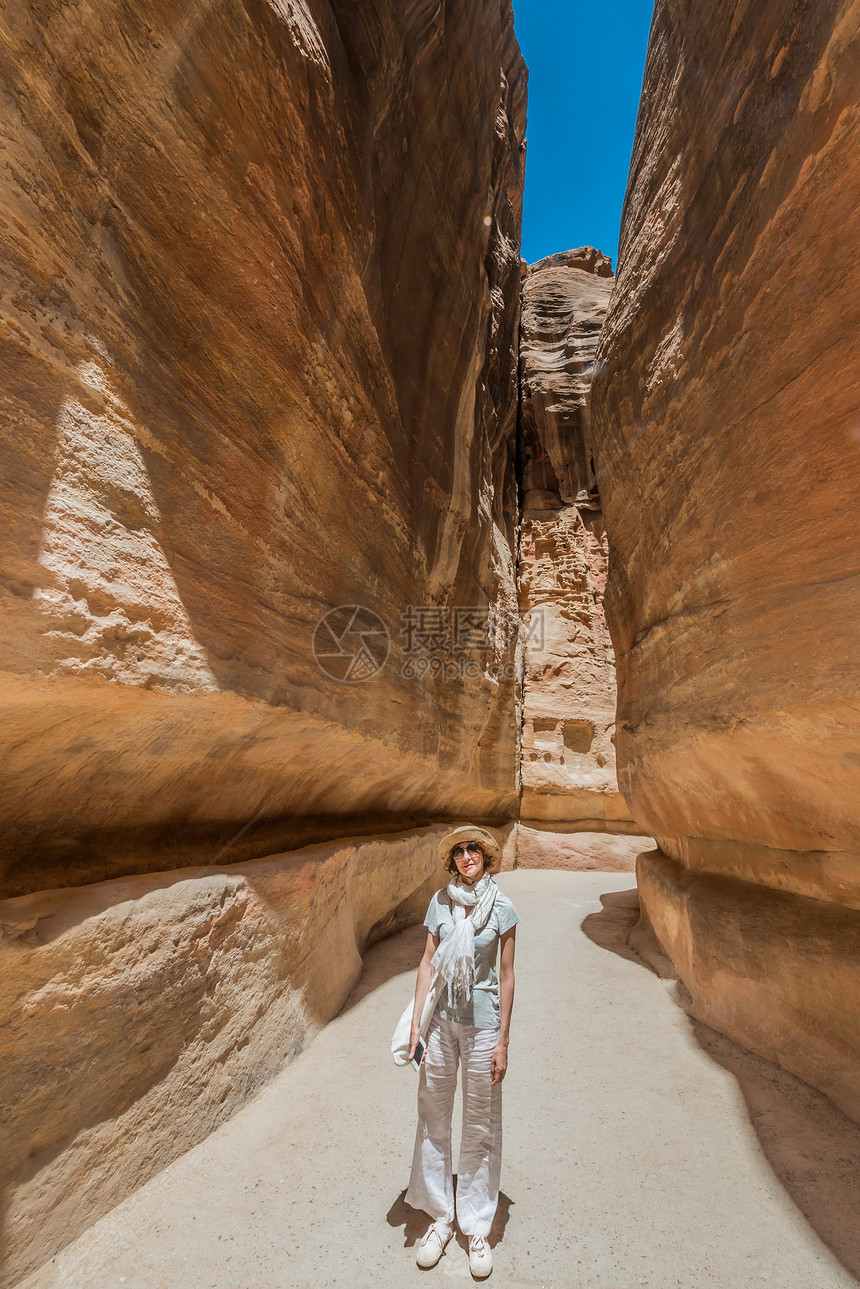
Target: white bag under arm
{"type": "Point", "coordinates": [402, 1034]}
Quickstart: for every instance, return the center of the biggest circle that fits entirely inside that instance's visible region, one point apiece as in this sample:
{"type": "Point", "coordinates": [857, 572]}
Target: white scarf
{"type": "Point", "coordinates": [454, 960]}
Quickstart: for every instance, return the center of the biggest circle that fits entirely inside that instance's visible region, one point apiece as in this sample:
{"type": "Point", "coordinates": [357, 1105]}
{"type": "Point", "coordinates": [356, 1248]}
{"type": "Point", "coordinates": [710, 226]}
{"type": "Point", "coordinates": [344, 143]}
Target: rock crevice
{"type": "Point", "coordinates": [568, 755]}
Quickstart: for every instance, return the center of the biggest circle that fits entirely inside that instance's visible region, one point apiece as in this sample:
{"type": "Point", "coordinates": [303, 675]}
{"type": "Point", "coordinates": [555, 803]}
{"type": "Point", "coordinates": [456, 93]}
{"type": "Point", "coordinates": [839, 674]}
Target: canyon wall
{"type": "Point", "coordinates": [568, 753]}
{"type": "Point", "coordinates": [259, 353]}
{"type": "Point", "coordinates": [137, 1014]}
{"type": "Point", "coordinates": [725, 414]}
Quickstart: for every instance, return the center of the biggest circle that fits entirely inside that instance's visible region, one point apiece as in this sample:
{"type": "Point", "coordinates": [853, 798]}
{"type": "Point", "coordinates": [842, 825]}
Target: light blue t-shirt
{"type": "Point", "coordinates": [482, 1009]}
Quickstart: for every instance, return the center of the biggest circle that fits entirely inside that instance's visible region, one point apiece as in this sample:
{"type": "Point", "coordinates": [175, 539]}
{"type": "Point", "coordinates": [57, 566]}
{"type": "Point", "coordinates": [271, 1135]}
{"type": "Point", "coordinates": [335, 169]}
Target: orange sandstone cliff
{"type": "Point", "coordinates": [258, 511]}
{"type": "Point", "coordinates": [725, 414]}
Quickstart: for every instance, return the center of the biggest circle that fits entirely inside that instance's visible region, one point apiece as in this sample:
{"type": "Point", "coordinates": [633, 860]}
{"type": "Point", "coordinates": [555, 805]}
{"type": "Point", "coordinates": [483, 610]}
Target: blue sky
{"type": "Point", "coordinates": [585, 76]}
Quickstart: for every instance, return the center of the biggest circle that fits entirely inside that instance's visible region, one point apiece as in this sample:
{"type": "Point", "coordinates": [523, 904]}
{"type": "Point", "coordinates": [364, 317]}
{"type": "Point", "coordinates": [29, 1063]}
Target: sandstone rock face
{"type": "Point", "coordinates": [568, 754]}
{"type": "Point", "coordinates": [139, 1013]}
{"type": "Point", "coordinates": [558, 846]}
{"type": "Point", "coordinates": [725, 414]}
{"type": "Point", "coordinates": [565, 298]}
{"type": "Point", "coordinates": [259, 354]}
{"type": "Point", "coordinates": [774, 970]}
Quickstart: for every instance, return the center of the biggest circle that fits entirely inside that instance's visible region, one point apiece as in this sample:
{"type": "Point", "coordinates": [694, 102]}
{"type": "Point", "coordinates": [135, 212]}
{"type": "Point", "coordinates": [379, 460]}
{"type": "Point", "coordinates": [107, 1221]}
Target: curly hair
{"type": "Point", "coordinates": [451, 863]}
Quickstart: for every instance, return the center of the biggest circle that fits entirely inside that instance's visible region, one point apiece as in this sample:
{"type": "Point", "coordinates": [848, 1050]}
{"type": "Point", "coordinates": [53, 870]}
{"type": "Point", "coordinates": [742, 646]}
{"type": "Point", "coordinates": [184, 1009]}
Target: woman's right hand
{"type": "Point", "coordinates": [414, 1036]}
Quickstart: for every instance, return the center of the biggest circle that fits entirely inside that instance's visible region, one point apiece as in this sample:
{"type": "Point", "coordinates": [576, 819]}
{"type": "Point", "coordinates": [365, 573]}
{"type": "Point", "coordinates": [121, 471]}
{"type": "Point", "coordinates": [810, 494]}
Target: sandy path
{"type": "Point", "coordinates": [631, 1158]}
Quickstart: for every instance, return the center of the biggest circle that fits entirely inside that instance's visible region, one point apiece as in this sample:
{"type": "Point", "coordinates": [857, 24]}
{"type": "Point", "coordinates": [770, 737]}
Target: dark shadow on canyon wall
{"type": "Point", "coordinates": [811, 1146]}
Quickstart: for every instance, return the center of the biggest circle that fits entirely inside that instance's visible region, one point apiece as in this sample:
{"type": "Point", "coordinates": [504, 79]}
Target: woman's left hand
{"type": "Point", "coordinates": [499, 1064]}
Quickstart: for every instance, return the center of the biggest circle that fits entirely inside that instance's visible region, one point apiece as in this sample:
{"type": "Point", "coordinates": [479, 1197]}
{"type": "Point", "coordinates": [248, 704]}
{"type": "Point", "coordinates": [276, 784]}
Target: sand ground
{"type": "Point", "coordinates": [640, 1149]}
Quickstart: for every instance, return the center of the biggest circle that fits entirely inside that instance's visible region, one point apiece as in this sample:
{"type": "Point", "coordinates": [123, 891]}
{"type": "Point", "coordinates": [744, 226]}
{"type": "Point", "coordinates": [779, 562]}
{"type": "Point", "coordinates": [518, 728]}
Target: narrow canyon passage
{"type": "Point", "coordinates": [630, 1155]}
{"type": "Point", "coordinates": [328, 524]}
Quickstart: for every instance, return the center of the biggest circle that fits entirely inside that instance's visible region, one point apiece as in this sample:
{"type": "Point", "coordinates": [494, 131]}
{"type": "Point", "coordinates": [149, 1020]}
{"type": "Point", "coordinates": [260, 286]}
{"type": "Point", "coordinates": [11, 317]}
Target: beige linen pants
{"type": "Point", "coordinates": [431, 1184]}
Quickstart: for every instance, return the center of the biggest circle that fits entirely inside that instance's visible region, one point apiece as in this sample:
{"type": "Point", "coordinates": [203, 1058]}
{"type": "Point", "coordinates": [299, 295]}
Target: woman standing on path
{"type": "Point", "coordinates": [470, 925]}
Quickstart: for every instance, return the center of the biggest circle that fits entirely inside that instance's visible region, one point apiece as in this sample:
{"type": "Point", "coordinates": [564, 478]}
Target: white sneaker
{"type": "Point", "coordinates": [432, 1246]}
{"type": "Point", "coordinates": [480, 1257]}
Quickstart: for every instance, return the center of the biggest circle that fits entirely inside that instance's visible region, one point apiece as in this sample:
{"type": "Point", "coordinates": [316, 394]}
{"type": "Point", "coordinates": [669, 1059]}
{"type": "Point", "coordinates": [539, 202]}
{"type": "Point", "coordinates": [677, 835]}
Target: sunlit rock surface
{"type": "Point", "coordinates": [261, 289]}
{"type": "Point", "coordinates": [726, 417]}
{"type": "Point", "coordinates": [568, 759]}
{"type": "Point", "coordinates": [559, 845]}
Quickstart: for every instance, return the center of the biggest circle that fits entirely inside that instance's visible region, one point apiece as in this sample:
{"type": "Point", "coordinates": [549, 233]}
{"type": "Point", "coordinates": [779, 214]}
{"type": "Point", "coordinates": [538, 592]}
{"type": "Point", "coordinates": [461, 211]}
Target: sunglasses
{"type": "Point", "coordinates": [473, 847]}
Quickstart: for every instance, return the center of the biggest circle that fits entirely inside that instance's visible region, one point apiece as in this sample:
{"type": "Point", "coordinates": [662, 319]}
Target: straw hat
{"type": "Point", "coordinates": [468, 833]}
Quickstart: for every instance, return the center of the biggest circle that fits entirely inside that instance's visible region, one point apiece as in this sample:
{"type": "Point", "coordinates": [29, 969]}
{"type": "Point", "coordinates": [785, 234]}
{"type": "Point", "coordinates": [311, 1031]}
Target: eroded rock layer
{"type": "Point", "coordinates": [139, 1013]}
{"type": "Point", "coordinates": [725, 414]}
{"type": "Point", "coordinates": [568, 756]}
{"type": "Point", "coordinates": [261, 288]}
{"type": "Point", "coordinates": [548, 845]}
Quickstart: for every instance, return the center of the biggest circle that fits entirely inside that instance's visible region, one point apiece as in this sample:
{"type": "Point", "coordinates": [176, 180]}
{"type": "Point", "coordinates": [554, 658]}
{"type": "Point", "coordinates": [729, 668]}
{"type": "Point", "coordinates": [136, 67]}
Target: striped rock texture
{"type": "Point", "coordinates": [726, 414]}
{"type": "Point", "coordinates": [259, 353]}
{"type": "Point", "coordinates": [261, 290]}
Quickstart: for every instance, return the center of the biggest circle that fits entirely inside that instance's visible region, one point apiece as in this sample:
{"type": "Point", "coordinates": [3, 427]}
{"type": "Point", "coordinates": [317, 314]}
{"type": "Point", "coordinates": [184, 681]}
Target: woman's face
{"type": "Point", "coordinates": [470, 862]}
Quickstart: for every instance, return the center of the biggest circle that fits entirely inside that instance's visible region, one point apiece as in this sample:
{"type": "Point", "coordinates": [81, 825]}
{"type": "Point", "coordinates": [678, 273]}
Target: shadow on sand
{"type": "Point", "coordinates": [811, 1146]}
{"type": "Point", "coordinates": [415, 1222]}
{"type": "Point", "coordinates": [392, 957]}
